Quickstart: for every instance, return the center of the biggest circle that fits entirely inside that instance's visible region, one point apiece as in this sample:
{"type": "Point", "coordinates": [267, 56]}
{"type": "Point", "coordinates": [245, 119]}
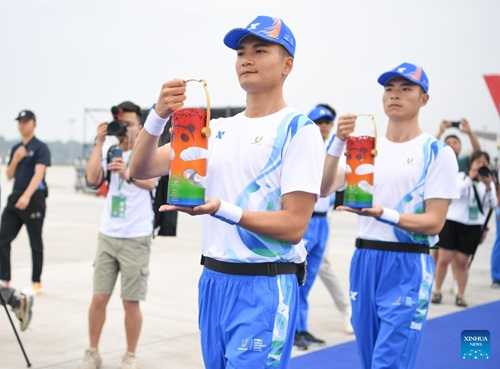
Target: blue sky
{"type": "Point", "coordinates": [60, 57]}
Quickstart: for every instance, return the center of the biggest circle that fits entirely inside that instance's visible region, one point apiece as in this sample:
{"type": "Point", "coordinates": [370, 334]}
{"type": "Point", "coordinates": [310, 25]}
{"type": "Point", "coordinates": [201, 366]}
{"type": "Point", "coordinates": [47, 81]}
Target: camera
{"type": "Point", "coordinates": [455, 124]}
{"type": "Point", "coordinates": [116, 128]}
{"type": "Point", "coordinates": [484, 171]}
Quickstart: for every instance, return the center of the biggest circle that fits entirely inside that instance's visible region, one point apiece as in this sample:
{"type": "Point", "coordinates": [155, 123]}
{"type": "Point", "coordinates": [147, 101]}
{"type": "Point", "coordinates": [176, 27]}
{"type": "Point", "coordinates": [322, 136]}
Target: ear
{"type": "Point", "coordinates": [287, 65]}
{"type": "Point", "coordinates": [424, 98]}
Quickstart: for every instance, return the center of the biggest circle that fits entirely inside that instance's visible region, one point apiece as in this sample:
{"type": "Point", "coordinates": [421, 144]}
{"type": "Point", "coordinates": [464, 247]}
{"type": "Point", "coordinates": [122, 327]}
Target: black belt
{"type": "Point", "coordinates": [318, 214]}
{"type": "Point", "coordinates": [392, 246]}
{"type": "Point", "coordinates": [269, 269]}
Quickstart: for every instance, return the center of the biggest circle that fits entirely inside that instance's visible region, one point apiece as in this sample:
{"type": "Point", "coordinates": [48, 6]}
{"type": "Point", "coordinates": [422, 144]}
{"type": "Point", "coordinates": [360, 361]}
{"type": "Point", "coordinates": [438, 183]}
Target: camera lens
{"type": "Point", "coordinates": [484, 171]}
{"type": "Point", "coordinates": [115, 128]}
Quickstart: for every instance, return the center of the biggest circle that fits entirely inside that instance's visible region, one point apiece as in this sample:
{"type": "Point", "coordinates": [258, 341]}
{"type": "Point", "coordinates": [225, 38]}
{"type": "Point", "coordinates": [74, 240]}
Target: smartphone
{"type": "Point", "coordinates": [116, 153]}
{"type": "Point", "coordinates": [456, 124]}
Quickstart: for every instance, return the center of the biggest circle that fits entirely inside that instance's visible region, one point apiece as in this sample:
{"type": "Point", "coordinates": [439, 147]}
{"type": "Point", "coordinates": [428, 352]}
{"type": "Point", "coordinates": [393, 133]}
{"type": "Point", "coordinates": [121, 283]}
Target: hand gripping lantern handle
{"type": "Point", "coordinates": [205, 132]}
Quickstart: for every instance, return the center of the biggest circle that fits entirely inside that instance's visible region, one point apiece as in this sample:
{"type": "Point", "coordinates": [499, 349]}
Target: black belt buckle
{"type": "Point", "coordinates": [301, 273]}
{"type": "Point", "coordinates": [272, 269]}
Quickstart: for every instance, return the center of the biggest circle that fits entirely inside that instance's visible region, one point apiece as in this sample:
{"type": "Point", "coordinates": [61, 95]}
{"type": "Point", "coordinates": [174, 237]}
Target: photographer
{"type": "Point", "coordinates": [454, 142]}
{"type": "Point", "coordinates": [124, 235]}
{"type": "Point", "coordinates": [463, 229]}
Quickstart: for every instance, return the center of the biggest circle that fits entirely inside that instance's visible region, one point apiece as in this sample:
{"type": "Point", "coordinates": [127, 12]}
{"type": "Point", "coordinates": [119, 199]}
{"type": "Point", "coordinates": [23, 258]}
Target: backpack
{"type": "Point", "coordinates": [165, 223]}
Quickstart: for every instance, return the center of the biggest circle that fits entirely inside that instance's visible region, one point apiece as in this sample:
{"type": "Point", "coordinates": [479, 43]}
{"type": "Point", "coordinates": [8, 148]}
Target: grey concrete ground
{"type": "Point", "coordinates": [57, 336]}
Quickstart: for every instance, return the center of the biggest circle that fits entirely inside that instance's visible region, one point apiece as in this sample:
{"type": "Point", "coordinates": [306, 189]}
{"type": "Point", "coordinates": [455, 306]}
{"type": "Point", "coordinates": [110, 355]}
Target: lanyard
{"type": "Point", "coordinates": [120, 179]}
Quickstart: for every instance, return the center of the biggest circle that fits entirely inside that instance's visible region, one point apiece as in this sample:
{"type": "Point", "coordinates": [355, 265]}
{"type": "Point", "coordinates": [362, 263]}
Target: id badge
{"type": "Point", "coordinates": [473, 213]}
{"type": "Point", "coordinates": [118, 206]}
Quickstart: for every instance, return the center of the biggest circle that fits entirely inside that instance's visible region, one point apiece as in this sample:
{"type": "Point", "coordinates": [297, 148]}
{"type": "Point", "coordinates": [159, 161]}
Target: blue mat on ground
{"type": "Point", "coordinates": [440, 347]}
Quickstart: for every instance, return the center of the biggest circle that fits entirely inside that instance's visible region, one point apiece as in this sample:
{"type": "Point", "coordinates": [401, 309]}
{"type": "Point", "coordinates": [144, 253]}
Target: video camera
{"type": "Point", "coordinates": [116, 127]}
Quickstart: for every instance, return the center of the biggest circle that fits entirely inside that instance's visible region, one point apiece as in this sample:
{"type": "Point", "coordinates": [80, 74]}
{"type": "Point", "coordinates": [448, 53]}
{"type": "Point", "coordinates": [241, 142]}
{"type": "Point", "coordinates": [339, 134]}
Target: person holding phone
{"type": "Point", "coordinates": [454, 142]}
{"type": "Point", "coordinates": [124, 235]}
{"type": "Point", "coordinates": [462, 231]}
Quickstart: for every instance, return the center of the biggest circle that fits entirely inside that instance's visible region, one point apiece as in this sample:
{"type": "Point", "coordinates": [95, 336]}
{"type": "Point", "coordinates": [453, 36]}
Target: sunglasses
{"type": "Point", "coordinates": [323, 121]}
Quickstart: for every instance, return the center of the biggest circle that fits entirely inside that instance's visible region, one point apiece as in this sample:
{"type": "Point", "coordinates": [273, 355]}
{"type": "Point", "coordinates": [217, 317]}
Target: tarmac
{"type": "Point", "coordinates": [58, 334]}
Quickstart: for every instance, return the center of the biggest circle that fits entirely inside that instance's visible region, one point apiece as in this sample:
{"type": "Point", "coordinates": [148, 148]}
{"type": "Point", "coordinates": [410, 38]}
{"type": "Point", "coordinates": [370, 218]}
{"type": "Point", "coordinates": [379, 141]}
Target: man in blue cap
{"type": "Point", "coordinates": [391, 270]}
{"type": "Point", "coordinates": [261, 187]}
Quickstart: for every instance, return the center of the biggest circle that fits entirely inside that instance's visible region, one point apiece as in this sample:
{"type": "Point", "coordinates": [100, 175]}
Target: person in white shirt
{"type": "Point", "coordinates": [391, 270]}
{"type": "Point", "coordinates": [465, 223]}
{"type": "Point", "coordinates": [124, 235]}
{"type": "Point", "coordinates": [262, 181]}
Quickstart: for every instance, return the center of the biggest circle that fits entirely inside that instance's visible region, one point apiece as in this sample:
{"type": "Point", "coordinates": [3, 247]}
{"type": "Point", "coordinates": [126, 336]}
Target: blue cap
{"type": "Point", "coordinates": [320, 112]}
{"type": "Point", "coordinates": [411, 72]}
{"type": "Point", "coordinates": [267, 28]}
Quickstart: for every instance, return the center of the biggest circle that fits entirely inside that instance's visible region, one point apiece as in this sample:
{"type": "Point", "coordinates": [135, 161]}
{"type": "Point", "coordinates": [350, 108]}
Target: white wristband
{"type": "Point", "coordinates": [154, 124]}
{"type": "Point", "coordinates": [229, 213]}
{"type": "Point", "coordinates": [336, 148]}
{"type": "Point", "coordinates": [390, 216]}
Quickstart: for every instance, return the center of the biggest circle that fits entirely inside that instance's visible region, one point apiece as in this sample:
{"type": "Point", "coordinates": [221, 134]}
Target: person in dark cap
{"type": "Point", "coordinates": [391, 271]}
{"type": "Point", "coordinates": [263, 178]}
{"type": "Point", "coordinates": [26, 205]}
{"type": "Point", "coordinates": [125, 233]}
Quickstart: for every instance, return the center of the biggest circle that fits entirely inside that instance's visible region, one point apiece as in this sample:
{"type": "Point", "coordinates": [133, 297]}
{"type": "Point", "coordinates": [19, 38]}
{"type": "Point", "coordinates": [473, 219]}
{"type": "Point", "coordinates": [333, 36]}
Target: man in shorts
{"type": "Point", "coordinates": [124, 235]}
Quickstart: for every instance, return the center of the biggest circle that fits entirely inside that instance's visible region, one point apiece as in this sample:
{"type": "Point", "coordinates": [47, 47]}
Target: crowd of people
{"type": "Point", "coordinates": [266, 229]}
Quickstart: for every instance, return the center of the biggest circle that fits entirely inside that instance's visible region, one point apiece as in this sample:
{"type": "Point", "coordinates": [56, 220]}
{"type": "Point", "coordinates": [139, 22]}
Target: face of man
{"type": "Point", "coordinates": [26, 127]}
{"type": "Point", "coordinates": [454, 144]}
{"type": "Point", "coordinates": [325, 125]}
{"type": "Point", "coordinates": [261, 65]}
{"type": "Point", "coordinates": [403, 99]}
{"type": "Point", "coordinates": [132, 121]}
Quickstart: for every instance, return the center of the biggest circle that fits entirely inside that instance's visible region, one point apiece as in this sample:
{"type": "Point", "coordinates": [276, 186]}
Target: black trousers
{"type": "Point", "coordinates": [12, 221]}
{"type": "Point", "coordinates": [9, 296]}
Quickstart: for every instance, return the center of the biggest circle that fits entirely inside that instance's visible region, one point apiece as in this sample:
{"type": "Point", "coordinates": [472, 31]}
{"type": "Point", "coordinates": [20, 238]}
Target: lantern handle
{"type": "Point", "coordinates": [205, 131]}
{"type": "Point", "coordinates": [374, 151]}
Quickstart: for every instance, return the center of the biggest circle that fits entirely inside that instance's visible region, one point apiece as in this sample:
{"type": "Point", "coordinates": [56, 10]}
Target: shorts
{"type": "Point", "coordinates": [460, 237]}
{"type": "Point", "coordinates": [130, 257]}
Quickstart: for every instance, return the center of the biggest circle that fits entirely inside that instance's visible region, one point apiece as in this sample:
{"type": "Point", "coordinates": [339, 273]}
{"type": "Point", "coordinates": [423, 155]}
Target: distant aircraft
{"type": "Point", "coordinates": [493, 83]}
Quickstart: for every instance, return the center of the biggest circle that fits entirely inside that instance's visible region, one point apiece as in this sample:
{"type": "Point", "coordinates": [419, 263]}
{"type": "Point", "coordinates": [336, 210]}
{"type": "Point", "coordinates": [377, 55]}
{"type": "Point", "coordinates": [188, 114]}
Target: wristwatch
{"type": "Point", "coordinates": [131, 180]}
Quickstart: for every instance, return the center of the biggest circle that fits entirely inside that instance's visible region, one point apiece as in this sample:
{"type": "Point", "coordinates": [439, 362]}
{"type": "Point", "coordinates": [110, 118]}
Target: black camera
{"type": "Point", "coordinates": [116, 127]}
{"type": "Point", "coordinates": [484, 171]}
{"type": "Point", "coordinates": [456, 124]}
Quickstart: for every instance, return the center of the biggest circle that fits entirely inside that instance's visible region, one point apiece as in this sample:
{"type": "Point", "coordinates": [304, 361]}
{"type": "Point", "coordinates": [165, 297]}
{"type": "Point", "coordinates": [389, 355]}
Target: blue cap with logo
{"type": "Point", "coordinates": [268, 28]}
{"type": "Point", "coordinates": [320, 112]}
{"type": "Point", "coordinates": [411, 72]}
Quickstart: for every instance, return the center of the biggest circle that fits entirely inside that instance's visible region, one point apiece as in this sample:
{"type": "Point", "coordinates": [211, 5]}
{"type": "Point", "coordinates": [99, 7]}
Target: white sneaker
{"type": "Point", "coordinates": [347, 322]}
{"type": "Point", "coordinates": [92, 360]}
{"type": "Point", "coordinates": [23, 311]}
{"type": "Point", "coordinates": [130, 361]}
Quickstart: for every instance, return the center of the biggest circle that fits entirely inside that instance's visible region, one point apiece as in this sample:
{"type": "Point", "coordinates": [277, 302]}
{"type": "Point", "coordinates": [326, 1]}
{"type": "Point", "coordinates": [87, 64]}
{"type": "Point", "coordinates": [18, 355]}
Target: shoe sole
{"type": "Point", "coordinates": [29, 304]}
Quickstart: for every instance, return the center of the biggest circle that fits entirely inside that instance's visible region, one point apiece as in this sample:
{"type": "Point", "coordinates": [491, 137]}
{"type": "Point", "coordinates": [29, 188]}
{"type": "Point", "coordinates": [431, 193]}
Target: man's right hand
{"type": "Point", "coordinates": [346, 125]}
{"type": "Point", "coordinates": [20, 154]}
{"type": "Point", "coordinates": [172, 97]}
{"type": "Point", "coordinates": [102, 131]}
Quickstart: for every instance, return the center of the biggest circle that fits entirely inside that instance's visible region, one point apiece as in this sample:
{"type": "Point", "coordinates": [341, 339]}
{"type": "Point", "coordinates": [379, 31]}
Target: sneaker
{"type": "Point", "coordinates": [92, 360]}
{"type": "Point", "coordinates": [23, 311]}
{"type": "Point", "coordinates": [311, 340]}
{"type": "Point", "coordinates": [130, 361]}
{"type": "Point", "coordinates": [299, 342]}
{"type": "Point", "coordinates": [5, 283]}
{"type": "Point", "coordinates": [37, 288]}
{"type": "Point", "coordinates": [459, 301]}
{"type": "Point", "coordinates": [347, 323]}
{"type": "Point", "coordinates": [495, 285]}
{"type": "Point", "coordinates": [436, 298]}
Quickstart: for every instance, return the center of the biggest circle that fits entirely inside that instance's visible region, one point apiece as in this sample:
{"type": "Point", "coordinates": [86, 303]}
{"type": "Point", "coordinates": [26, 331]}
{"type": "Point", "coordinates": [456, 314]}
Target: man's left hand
{"type": "Point", "coordinates": [23, 202]}
{"type": "Point", "coordinates": [210, 207]}
{"type": "Point", "coordinates": [375, 211]}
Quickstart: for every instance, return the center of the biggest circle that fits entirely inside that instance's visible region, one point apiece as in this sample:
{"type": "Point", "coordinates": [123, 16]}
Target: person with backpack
{"type": "Point", "coordinates": [125, 232]}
